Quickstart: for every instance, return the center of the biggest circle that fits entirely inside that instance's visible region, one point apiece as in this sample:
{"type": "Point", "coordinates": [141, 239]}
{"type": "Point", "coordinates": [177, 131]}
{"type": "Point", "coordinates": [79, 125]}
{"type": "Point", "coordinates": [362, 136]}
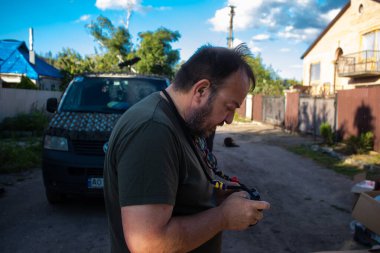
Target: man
{"type": "Point", "coordinates": [159, 196]}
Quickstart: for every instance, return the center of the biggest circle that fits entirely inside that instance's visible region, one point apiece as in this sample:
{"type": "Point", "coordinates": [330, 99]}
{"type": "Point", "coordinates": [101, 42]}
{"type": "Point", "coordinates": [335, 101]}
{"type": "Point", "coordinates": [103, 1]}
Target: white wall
{"type": "Point", "coordinates": [15, 101]}
{"type": "Point", "coordinates": [345, 34]}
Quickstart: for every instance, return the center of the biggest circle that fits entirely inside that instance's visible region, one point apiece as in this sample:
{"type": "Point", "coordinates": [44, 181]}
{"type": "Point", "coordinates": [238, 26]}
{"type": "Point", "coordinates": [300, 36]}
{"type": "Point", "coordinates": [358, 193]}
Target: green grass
{"type": "Point", "coordinates": [238, 118]}
{"type": "Point", "coordinates": [20, 154]}
{"type": "Point", "coordinates": [21, 141]}
{"type": "Point", "coordinates": [32, 123]}
{"type": "Point", "coordinates": [326, 160]}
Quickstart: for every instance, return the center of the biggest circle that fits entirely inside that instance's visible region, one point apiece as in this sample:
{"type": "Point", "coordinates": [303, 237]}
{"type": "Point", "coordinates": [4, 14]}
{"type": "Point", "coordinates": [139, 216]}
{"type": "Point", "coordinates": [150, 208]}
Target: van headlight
{"type": "Point", "coordinates": [56, 143]}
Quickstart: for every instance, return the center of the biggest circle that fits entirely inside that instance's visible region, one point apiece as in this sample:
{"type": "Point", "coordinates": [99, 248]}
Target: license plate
{"type": "Point", "coordinates": [95, 182]}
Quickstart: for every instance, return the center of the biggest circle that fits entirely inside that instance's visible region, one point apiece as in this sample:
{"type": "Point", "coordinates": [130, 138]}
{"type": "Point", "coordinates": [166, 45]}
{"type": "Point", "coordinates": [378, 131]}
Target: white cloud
{"type": "Point", "coordinates": [298, 35]}
{"type": "Point", "coordinates": [330, 15]}
{"type": "Point", "coordinates": [118, 4]}
{"type": "Point", "coordinates": [243, 17]}
{"type": "Point", "coordinates": [254, 49]}
{"type": "Point", "coordinates": [83, 18]}
{"type": "Point", "coordinates": [164, 8]}
{"type": "Point", "coordinates": [270, 18]}
{"type": "Point", "coordinates": [303, 2]}
{"type": "Point", "coordinates": [306, 17]}
{"type": "Point", "coordinates": [285, 50]}
{"type": "Point", "coordinates": [219, 21]}
{"type": "Point", "coordinates": [236, 42]}
{"type": "Point", "coordinates": [261, 37]}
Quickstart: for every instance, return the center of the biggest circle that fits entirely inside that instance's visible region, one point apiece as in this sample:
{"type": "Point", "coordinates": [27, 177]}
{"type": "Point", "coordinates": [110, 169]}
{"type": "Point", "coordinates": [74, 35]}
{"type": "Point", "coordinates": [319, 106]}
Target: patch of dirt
{"type": "Point", "coordinates": [310, 204]}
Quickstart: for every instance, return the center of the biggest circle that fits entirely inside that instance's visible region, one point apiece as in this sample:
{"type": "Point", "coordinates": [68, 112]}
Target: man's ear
{"type": "Point", "coordinates": [201, 89]}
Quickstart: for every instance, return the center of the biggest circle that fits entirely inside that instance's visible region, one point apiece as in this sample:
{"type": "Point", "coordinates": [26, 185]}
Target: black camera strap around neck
{"type": "Point", "coordinates": [254, 194]}
{"type": "Point", "coordinates": [186, 131]}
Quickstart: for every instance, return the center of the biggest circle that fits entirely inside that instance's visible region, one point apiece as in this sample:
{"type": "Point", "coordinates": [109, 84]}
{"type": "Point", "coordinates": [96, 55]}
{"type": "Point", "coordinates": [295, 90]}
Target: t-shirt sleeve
{"type": "Point", "coordinates": [148, 166]}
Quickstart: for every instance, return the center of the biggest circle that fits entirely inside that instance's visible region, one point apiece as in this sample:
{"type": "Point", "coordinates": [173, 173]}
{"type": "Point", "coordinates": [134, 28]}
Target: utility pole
{"type": "Point", "coordinates": [230, 38]}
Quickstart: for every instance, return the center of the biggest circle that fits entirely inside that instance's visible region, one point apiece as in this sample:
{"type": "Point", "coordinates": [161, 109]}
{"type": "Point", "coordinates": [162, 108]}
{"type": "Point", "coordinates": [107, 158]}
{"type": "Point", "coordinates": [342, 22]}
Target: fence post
{"type": "Point", "coordinates": [248, 106]}
{"type": "Point", "coordinates": [315, 118]}
{"type": "Point", "coordinates": [335, 116]}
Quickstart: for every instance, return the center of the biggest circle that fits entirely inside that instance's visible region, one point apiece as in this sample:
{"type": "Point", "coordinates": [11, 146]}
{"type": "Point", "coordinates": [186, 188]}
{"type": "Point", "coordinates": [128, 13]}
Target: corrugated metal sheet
{"type": "Point", "coordinates": [257, 108]}
{"type": "Point", "coordinates": [14, 59]}
{"type": "Point", "coordinates": [274, 110]}
{"type": "Point", "coordinates": [291, 112]}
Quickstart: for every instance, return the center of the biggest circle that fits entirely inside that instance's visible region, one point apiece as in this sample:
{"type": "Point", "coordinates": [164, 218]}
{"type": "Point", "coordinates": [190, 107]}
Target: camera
{"type": "Point", "coordinates": [253, 194]}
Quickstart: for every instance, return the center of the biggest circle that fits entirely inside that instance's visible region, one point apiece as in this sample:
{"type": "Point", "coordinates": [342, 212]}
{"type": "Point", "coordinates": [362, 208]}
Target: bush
{"type": "Point", "coordinates": [367, 141]}
{"type": "Point", "coordinates": [26, 83]}
{"type": "Point", "coordinates": [16, 158]}
{"type": "Point", "coordinates": [360, 144]}
{"type": "Point", "coordinates": [34, 122]}
{"type": "Point", "coordinates": [326, 133]}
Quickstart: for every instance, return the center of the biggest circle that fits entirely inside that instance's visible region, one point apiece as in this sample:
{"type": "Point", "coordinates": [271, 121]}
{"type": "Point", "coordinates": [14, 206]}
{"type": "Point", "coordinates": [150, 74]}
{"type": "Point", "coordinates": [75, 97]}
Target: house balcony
{"type": "Point", "coordinates": [361, 64]}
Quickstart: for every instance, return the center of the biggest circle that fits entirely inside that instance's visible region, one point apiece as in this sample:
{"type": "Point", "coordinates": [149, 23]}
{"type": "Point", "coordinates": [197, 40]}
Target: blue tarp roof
{"type": "Point", "coordinates": [14, 58]}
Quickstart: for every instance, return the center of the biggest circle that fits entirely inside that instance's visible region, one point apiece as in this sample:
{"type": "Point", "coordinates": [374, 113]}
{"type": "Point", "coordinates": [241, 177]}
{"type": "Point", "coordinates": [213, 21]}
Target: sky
{"type": "Point", "coordinates": [280, 31]}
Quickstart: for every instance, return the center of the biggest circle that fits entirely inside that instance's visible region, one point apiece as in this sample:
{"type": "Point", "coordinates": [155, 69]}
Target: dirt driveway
{"type": "Point", "coordinates": [310, 205]}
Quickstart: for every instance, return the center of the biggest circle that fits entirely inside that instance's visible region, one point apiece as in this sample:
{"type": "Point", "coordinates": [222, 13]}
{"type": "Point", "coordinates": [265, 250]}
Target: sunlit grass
{"type": "Point", "coordinates": [328, 161]}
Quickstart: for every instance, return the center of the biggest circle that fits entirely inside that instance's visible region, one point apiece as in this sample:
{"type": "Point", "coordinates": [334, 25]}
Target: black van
{"type": "Point", "coordinates": [76, 139]}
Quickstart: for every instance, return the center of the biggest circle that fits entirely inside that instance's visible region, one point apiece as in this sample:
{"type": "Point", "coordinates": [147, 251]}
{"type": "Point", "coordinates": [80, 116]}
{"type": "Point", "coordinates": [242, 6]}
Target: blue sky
{"type": "Point", "coordinates": [279, 30]}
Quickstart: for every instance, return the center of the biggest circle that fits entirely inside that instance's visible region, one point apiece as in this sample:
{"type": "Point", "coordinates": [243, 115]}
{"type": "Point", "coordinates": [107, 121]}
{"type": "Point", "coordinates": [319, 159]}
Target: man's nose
{"type": "Point", "coordinates": [230, 117]}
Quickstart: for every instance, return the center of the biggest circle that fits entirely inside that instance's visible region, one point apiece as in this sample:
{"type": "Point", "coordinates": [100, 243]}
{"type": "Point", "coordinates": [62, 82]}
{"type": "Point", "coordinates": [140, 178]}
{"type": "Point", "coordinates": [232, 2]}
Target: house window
{"type": "Point", "coordinates": [315, 71]}
{"type": "Point", "coordinates": [370, 43]}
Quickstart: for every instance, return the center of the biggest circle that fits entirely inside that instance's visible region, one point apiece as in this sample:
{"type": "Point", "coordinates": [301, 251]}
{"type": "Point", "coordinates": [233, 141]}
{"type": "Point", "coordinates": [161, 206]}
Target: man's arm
{"type": "Point", "coordinates": [150, 228]}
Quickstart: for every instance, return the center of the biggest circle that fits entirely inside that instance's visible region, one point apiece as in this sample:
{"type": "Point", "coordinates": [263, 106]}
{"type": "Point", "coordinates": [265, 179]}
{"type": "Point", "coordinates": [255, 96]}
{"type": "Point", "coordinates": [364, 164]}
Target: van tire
{"type": "Point", "coordinates": [54, 197]}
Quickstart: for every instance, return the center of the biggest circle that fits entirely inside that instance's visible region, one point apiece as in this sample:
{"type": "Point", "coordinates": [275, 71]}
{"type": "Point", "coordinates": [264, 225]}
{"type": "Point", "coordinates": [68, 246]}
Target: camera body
{"type": "Point", "coordinates": [254, 194]}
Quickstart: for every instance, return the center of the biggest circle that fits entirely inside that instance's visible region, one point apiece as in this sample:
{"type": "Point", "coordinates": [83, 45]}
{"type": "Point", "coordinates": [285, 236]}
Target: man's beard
{"type": "Point", "coordinates": [197, 119]}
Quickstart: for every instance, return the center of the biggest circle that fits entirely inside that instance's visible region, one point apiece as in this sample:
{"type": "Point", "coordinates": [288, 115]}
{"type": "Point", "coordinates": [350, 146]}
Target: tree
{"type": "Point", "coordinates": [116, 41]}
{"type": "Point", "coordinates": [70, 63]}
{"type": "Point", "coordinates": [26, 83]}
{"type": "Point", "coordinates": [156, 53]}
{"type": "Point", "coordinates": [267, 80]}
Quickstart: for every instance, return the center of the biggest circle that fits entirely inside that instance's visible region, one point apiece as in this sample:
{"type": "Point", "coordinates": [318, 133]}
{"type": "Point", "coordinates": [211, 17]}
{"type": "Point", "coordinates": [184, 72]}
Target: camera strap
{"type": "Point", "coordinates": [206, 158]}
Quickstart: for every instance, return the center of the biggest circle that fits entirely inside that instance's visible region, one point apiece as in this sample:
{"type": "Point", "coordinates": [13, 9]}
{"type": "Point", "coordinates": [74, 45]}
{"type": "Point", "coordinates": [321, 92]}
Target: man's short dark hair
{"type": "Point", "coordinates": [214, 64]}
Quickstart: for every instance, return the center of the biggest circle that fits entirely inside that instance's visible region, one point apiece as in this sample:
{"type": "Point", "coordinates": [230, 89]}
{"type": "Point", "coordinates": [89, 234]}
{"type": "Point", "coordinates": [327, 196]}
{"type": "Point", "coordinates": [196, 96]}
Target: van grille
{"type": "Point", "coordinates": [87, 147]}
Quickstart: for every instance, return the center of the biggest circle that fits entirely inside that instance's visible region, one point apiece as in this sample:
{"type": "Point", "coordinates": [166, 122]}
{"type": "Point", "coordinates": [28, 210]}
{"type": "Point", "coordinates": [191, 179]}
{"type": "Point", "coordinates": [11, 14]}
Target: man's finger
{"type": "Point", "coordinates": [261, 205]}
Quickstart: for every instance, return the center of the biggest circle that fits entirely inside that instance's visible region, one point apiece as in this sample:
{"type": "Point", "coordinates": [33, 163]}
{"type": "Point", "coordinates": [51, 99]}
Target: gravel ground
{"type": "Point", "coordinates": [310, 205]}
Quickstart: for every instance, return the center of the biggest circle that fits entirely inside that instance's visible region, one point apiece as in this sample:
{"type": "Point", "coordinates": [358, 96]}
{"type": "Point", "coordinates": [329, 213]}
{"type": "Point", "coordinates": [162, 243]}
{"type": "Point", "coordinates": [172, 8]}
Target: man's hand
{"type": "Point", "coordinates": [239, 212]}
{"type": "Point", "coordinates": [151, 228]}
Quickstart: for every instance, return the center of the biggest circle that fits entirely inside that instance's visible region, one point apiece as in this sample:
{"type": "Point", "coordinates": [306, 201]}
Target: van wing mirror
{"type": "Point", "coordinates": [52, 105]}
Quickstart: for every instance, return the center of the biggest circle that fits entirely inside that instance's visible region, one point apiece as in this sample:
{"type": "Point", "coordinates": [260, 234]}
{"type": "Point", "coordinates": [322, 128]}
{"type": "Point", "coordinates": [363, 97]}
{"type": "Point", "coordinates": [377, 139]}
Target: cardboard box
{"type": "Point", "coordinates": [367, 211]}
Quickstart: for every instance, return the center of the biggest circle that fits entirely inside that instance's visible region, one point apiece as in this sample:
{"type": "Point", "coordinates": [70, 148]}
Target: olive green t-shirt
{"type": "Point", "coordinates": [149, 161]}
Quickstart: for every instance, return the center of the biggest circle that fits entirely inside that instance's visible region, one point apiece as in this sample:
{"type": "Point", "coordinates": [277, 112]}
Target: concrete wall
{"type": "Point", "coordinates": [345, 34]}
{"type": "Point", "coordinates": [15, 101]}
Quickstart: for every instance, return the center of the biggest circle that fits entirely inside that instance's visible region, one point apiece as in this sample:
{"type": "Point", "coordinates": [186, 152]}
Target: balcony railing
{"type": "Point", "coordinates": [361, 64]}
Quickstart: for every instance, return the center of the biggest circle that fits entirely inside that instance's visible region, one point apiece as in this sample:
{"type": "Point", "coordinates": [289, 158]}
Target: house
{"type": "Point", "coordinates": [346, 54]}
{"type": "Point", "coordinates": [16, 60]}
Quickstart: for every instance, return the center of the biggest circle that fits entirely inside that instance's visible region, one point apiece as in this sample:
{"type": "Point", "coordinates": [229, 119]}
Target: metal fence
{"type": "Point", "coordinates": [350, 112]}
{"type": "Point", "coordinates": [315, 111]}
{"type": "Point", "coordinates": [274, 110]}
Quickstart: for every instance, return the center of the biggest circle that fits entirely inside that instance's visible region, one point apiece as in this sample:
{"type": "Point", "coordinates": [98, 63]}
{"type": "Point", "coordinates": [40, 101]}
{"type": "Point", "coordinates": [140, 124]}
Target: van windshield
{"type": "Point", "coordinates": [108, 94]}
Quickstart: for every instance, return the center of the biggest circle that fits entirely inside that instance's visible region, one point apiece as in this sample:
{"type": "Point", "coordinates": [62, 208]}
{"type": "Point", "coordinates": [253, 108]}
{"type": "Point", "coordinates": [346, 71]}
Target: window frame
{"type": "Point", "coordinates": [316, 79]}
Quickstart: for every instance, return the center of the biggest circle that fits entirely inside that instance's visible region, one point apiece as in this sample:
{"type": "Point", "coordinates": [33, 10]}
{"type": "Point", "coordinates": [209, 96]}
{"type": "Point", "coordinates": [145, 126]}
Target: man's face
{"type": "Point", "coordinates": [221, 108]}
